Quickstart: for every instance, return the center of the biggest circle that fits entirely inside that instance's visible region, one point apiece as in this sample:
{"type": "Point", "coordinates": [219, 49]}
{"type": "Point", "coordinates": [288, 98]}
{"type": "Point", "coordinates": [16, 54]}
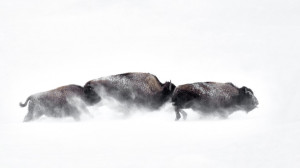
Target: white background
{"type": "Point", "coordinates": [51, 43]}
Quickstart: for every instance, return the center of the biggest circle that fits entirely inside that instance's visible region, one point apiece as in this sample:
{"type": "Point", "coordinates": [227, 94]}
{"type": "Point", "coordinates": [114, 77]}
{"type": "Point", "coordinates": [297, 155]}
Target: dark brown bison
{"type": "Point", "coordinates": [64, 101]}
{"type": "Point", "coordinates": [138, 89]}
{"type": "Point", "coordinates": [213, 98]}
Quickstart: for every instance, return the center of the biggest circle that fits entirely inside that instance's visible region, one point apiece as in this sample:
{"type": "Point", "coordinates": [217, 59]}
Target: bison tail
{"type": "Point", "coordinates": [25, 104]}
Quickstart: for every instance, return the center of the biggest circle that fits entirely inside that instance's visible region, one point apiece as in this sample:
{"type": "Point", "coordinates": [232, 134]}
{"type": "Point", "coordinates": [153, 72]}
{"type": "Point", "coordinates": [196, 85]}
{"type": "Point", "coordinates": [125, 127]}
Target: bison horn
{"type": "Point", "coordinates": [170, 86]}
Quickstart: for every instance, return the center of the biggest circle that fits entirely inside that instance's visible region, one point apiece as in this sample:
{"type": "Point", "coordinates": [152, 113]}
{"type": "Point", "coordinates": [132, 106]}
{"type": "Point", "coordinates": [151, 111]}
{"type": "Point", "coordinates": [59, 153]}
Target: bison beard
{"type": "Point", "coordinates": [210, 98]}
{"type": "Point", "coordinates": [64, 101]}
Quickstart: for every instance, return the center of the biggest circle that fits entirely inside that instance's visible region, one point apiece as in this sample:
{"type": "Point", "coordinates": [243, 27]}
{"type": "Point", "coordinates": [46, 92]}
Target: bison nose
{"type": "Point", "coordinates": [256, 102]}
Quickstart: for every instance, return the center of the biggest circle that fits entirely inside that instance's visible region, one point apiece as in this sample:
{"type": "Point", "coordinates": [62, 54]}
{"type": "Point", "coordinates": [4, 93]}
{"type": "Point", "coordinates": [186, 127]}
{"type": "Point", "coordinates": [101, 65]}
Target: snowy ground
{"type": "Point", "coordinates": [140, 143]}
{"type": "Point", "coordinates": [47, 44]}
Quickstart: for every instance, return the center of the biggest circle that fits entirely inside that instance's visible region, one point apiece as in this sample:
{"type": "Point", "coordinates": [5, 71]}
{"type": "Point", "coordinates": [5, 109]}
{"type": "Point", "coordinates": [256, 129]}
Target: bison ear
{"type": "Point", "coordinates": [246, 90]}
{"type": "Point", "coordinates": [243, 90]}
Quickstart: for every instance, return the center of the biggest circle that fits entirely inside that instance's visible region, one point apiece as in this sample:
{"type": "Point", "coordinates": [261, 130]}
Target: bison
{"type": "Point", "coordinates": [213, 98]}
{"type": "Point", "coordinates": [138, 89]}
{"type": "Point", "coordinates": [64, 101]}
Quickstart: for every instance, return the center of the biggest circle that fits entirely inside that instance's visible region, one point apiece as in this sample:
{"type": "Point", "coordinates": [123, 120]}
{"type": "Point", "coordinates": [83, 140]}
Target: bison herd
{"type": "Point", "coordinates": [141, 90]}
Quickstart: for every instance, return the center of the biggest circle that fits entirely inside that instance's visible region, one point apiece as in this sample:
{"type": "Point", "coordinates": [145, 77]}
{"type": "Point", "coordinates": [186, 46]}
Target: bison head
{"type": "Point", "coordinates": [168, 88]}
{"type": "Point", "coordinates": [91, 95]}
{"type": "Point", "coordinates": [247, 99]}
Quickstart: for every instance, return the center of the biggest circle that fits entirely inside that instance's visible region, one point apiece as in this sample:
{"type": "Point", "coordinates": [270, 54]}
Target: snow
{"type": "Point", "coordinates": [52, 43]}
{"type": "Point", "coordinates": [237, 143]}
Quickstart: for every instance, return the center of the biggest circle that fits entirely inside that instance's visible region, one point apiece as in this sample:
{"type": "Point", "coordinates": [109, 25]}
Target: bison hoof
{"type": "Point", "coordinates": [177, 117]}
{"type": "Point", "coordinates": [184, 115]}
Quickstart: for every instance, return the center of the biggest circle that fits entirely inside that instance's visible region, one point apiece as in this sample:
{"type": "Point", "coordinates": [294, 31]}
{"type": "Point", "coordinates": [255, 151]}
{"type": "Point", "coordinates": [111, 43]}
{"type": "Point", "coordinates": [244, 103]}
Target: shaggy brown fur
{"type": "Point", "coordinates": [141, 89]}
{"type": "Point", "coordinates": [64, 101]}
{"type": "Point", "coordinates": [213, 98]}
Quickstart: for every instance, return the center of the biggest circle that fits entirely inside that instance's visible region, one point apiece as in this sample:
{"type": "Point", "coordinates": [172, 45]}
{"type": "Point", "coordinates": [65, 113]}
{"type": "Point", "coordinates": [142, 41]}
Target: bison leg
{"type": "Point", "coordinates": [223, 115]}
{"type": "Point", "coordinates": [31, 116]}
{"type": "Point", "coordinates": [33, 113]}
{"type": "Point", "coordinates": [76, 114]}
{"type": "Point", "coordinates": [86, 111]}
{"type": "Point", "coordinates": [28, 117]}
{"type": "Point", "coordinates": [183, 113]}
{"type": "Point", "coordinates": [177, 112]}
{"type": "Point", "coordinates": [76, 117]}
